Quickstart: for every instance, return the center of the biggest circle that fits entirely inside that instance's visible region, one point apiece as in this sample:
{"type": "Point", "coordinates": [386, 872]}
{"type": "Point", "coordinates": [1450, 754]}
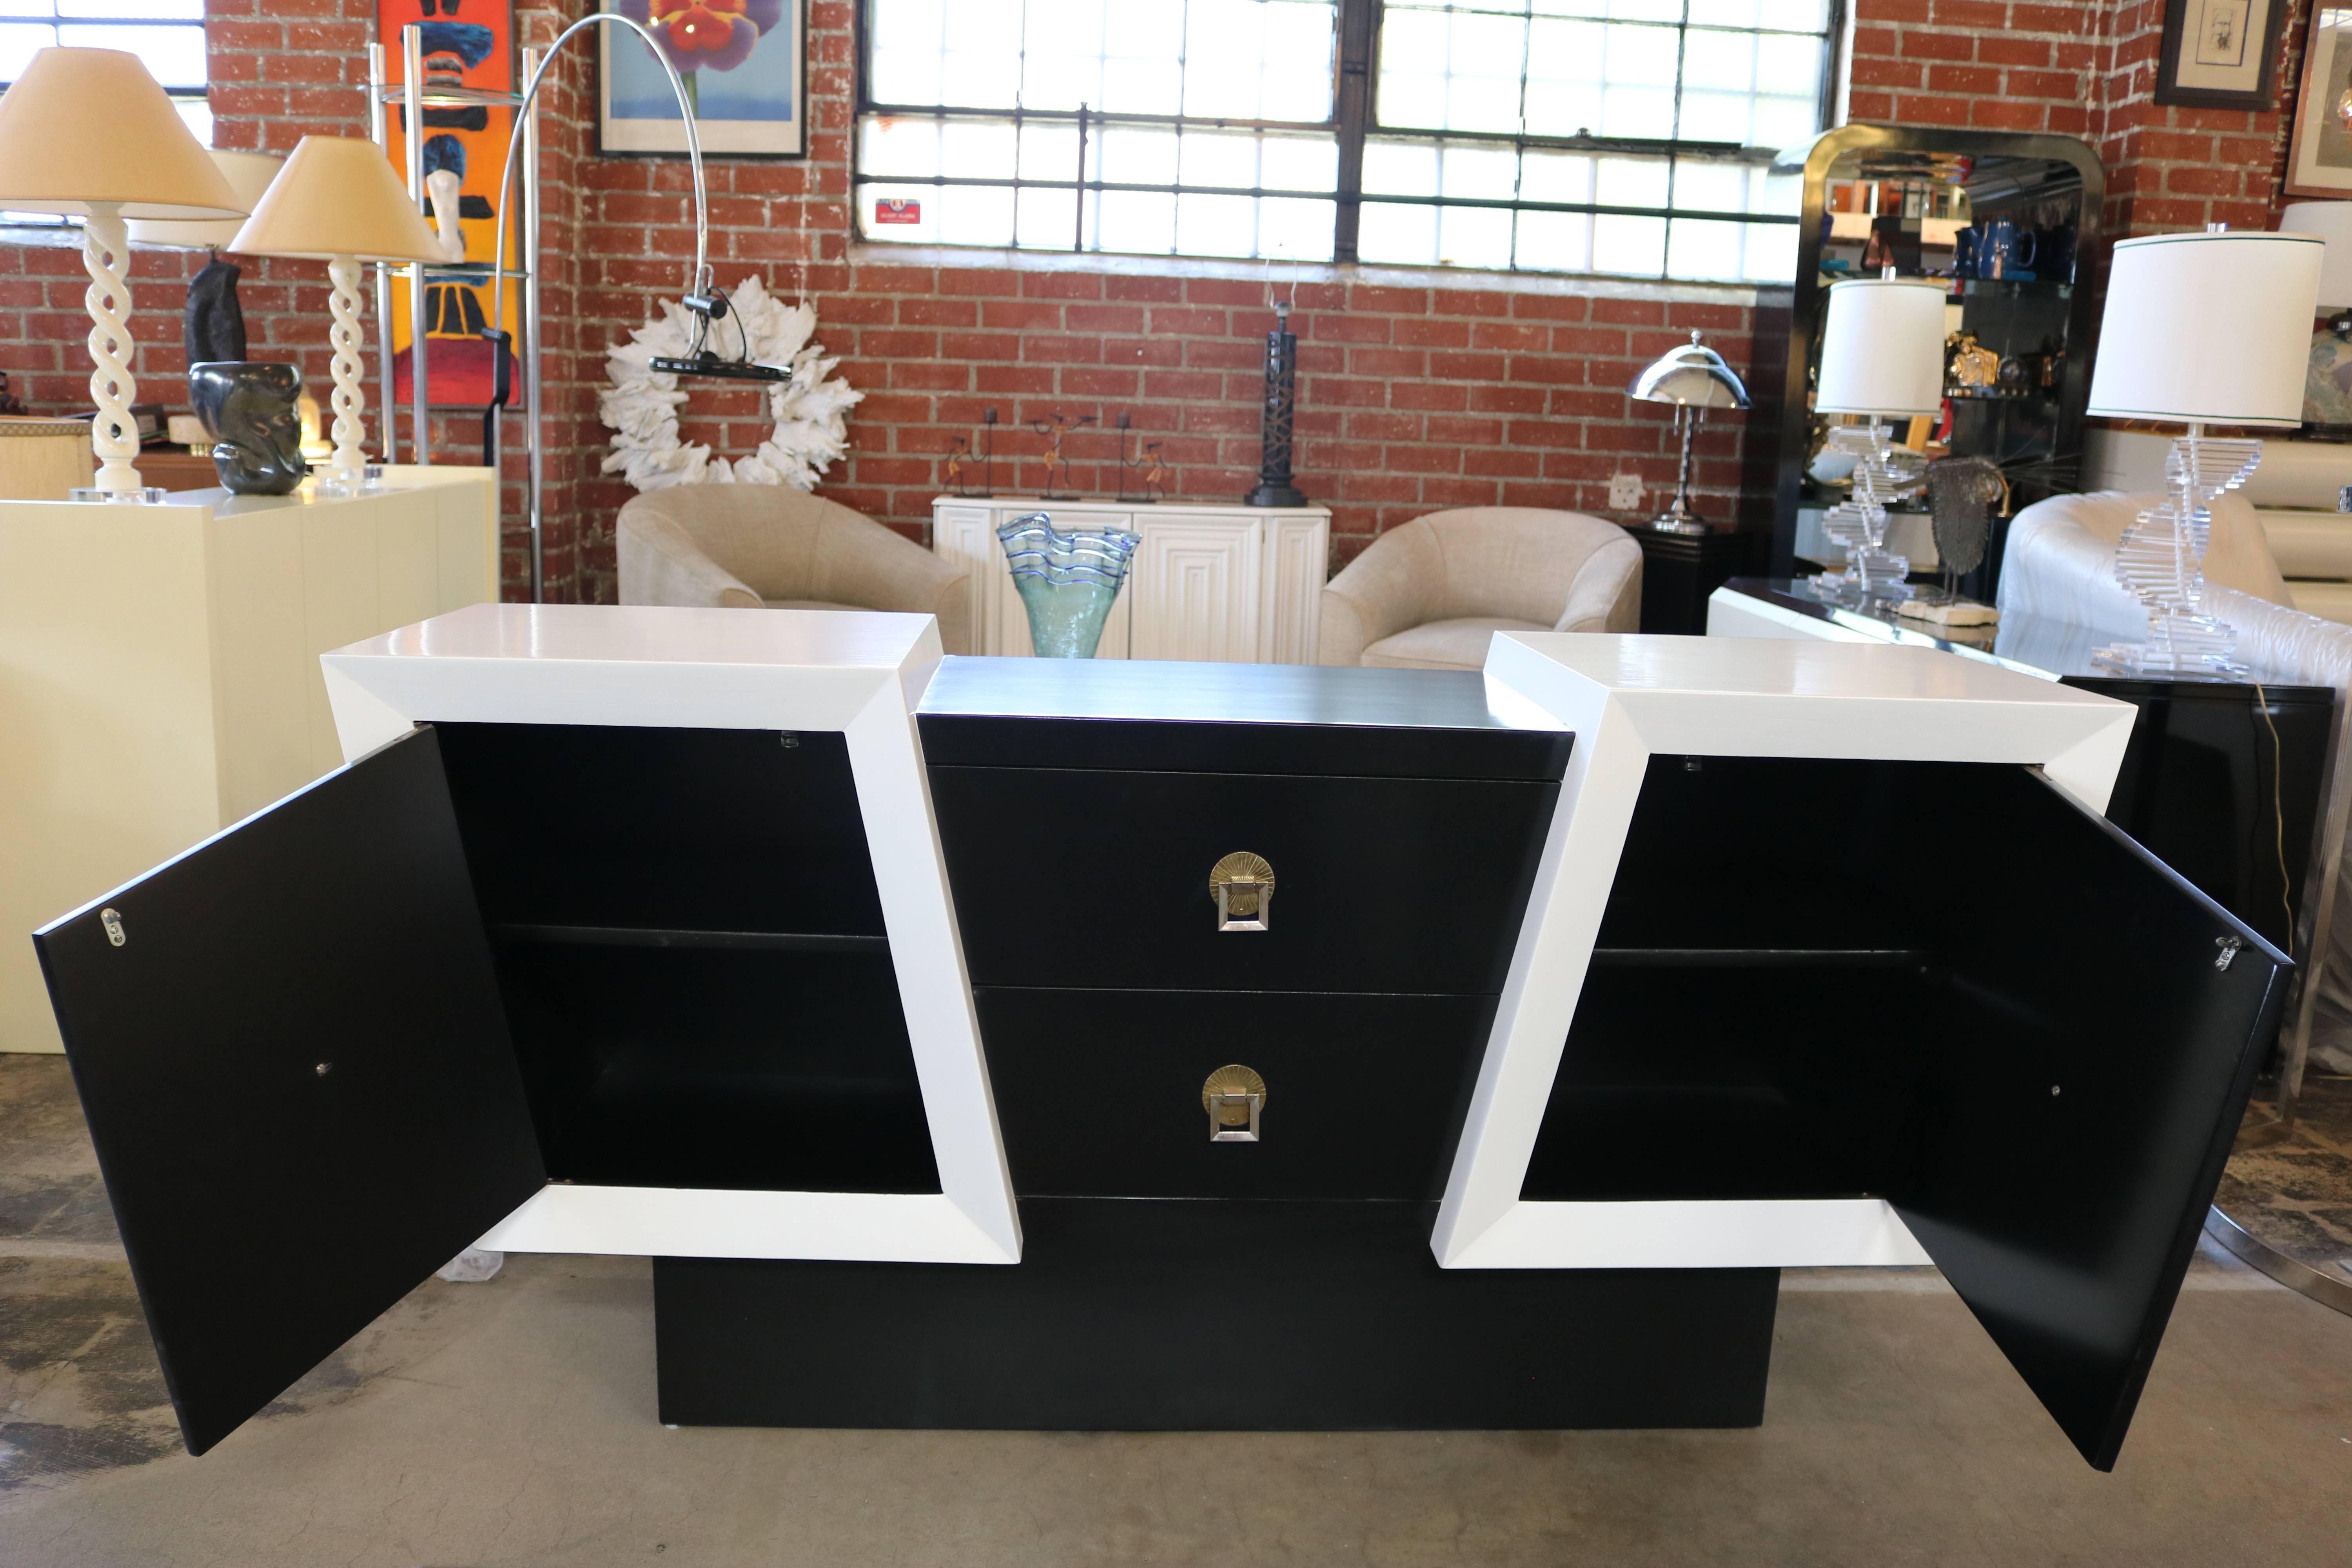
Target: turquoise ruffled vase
{"type": "Point", "coordinates": [1067, 581]}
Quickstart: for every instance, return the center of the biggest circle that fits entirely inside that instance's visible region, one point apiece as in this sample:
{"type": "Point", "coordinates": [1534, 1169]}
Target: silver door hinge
{"type": "Point", "coordinates": [2229, 954]}
{"type": "Point", "coordinates": [113, 924]}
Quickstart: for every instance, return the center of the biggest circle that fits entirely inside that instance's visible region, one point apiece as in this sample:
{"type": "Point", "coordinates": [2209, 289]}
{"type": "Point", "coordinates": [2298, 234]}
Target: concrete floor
{"type": "Point", "coordinates": [512, 1423]}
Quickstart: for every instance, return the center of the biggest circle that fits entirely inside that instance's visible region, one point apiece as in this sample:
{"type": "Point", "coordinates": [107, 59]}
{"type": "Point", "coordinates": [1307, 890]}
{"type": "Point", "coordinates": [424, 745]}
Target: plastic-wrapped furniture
{"type": "Point", "coordinates": [753, 547]}
{"type": "Point", "coordinates": [1433, 594]}
{"type": "Point", "coordinates": [2060, 564]}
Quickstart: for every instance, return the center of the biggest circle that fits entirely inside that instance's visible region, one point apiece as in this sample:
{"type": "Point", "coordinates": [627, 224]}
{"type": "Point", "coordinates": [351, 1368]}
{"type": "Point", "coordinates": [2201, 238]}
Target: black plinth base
{"type": "Point", "coordinates": [1680, 570]}
{"type": "Point", "coordinates": [1129, 1315]}
{"type": "Point", "coordinates": [1275, 495]}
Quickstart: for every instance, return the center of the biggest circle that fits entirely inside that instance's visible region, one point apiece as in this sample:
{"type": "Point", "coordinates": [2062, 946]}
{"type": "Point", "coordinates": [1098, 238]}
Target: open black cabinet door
{"type": "Point", "coordinates": [2101, 1024]}
{"type": "Point", "coordinates": [290, 1049]}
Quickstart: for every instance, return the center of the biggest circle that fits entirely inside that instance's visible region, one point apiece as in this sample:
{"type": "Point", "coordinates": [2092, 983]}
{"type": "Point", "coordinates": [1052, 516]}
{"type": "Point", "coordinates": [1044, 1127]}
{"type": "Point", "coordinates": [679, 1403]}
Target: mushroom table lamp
{"type": "Point", "coordinates": [1881, 354]}
{"type": "Point", "coordinates": [2199, 328]}
{"type": "Point", "coordinates": [87, 133]}
{"type": "Point", "coordinates": [1694, 379]}
{"type": "Point", "coordinates": [338, 201]}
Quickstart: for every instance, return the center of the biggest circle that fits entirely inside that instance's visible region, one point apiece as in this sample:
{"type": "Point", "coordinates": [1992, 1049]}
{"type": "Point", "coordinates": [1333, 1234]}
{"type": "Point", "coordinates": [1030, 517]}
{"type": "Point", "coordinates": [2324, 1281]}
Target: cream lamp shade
{"type": "Point", "coordinates": [249, 174]}
{"type": "Point", "coordinates": [337, 196]}
{"type": "Point", "coordinates": [2208, 328]}
{"type": "Point", "coordinates": [2331, 222]}
{"type": "Point", "coordinates": [85, 127]}
{"type": "Point", "coordinates": [1882, 348]}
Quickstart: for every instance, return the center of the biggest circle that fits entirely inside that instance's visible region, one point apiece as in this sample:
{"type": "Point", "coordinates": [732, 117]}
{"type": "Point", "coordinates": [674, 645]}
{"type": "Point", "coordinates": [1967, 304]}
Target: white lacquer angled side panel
{"type": "Point", "coordinates": [1627, 697]}
{"type": "Point", "coordinates": [1554, 943]}
{"type": "Point", "coordinates": [910, 869]}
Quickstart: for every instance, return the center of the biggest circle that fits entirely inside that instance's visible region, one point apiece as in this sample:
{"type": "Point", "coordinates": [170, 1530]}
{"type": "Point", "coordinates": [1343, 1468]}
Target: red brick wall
{"type": "Point", "coordinates": [1431, 393]}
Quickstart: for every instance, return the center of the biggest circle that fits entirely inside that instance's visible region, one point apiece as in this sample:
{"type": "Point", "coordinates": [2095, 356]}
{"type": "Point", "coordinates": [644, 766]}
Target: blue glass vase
{"type": "Point", "coordinates": [1067, 581]}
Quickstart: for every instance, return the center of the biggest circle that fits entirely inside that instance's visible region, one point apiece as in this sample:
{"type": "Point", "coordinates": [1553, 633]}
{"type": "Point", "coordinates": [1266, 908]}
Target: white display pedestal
{"type": "Point", "coordinates": [1224, 584]}
{"type": "Point", "coordinates": [159, 671]}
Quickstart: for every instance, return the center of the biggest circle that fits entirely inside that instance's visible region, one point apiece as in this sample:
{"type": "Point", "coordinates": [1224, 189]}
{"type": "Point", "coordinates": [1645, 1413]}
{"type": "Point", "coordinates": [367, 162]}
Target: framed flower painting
{"type": "Point", "coordinates": [744, 64]}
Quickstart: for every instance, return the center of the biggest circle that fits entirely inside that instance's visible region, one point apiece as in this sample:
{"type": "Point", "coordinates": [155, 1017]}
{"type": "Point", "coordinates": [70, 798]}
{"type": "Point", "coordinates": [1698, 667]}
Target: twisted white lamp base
{"type": "Point", "coordinates": [113, 434]}
{"type": "Point", "coordinates": [349, 465]}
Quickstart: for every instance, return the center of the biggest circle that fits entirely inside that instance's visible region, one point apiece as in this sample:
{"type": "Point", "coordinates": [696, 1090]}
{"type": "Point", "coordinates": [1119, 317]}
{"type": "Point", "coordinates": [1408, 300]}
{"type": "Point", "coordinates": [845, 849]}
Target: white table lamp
{"type": "Point", "coordinates": [87, 133]}
{"type": "Point", "coordinates": [2199, 329]}
{"type": "Point", "coordinates": [338, 201]}
{"type": "Point", "coordinates": [249, 174]}
{"type": "Point", "coordinates": [1882, 356]}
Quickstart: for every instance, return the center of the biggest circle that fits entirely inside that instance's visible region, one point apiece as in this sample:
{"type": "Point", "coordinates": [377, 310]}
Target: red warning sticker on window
{"type": "Point", "coordinates": [897, 209]}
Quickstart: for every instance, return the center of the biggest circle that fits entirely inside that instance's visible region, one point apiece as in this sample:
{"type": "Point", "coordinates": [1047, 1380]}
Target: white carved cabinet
{"type": "Point", "coordinates": [1236, 584]}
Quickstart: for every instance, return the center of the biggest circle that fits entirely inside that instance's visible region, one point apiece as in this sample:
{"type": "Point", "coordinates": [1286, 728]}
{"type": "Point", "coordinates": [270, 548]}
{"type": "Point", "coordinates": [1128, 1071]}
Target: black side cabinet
{"type": "Point", "coordinates": [1680, 570]}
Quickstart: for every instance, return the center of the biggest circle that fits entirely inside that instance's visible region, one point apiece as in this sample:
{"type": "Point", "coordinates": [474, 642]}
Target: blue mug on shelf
{"type": "Point", "coordinates": [2004, 250]}
{"type": "Point", "coordinates": [1964, 251]}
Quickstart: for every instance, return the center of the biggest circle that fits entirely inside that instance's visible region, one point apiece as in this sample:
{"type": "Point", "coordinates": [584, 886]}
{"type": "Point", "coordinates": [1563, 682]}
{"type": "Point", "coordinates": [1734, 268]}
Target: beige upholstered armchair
{"type": "Point", "coordinates": [772, 547]}
{"type": "Point", "coordinates": [1433, 594]}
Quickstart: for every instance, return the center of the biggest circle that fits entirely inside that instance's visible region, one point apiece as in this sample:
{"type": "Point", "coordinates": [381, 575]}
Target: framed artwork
{"type": "Point", "coordinates": [2219, 54]}
{"type": "Point", "coordinates": [2319, 153]}
{"type": "Point", "coordinates": [466, 44]}
{"type": "Point", "coordinates": [745, 65]}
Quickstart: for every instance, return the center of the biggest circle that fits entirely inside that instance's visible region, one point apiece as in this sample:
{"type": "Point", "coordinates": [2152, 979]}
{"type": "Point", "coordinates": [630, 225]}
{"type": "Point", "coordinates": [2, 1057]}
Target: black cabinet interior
{"type": "Point", "coordinates": [2037, 1050]}
{"type": "Point", "coordinates": [690, 944]}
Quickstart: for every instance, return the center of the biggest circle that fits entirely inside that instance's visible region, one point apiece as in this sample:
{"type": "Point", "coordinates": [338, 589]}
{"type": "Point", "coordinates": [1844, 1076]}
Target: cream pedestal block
{"type": "Point", "coordinates": [1226, 585]}
{"type": "Point", "coordinates": [159, 671]}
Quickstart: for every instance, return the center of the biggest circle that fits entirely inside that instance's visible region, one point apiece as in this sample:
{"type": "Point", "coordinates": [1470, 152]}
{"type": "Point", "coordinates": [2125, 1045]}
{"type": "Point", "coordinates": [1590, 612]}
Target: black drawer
{"type": "Point", "coordinates": [1089, 878]}
{"type": "Point", "coordinates": [1098, 1092]}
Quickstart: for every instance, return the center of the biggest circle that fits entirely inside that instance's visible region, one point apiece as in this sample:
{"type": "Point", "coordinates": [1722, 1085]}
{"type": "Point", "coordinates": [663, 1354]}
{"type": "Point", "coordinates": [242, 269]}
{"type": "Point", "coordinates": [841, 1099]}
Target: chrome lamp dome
{"type": "Point", "coordinates": [1694, 378]}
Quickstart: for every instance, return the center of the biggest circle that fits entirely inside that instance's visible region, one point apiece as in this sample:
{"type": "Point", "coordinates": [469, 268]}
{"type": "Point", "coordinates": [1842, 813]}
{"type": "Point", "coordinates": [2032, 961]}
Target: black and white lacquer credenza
{"type": "Point", "coordinates": [1097, 1045]}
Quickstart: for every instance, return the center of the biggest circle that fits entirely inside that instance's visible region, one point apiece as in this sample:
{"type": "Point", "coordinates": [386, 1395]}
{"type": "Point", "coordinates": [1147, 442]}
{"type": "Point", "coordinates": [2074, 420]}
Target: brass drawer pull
{"type": "Point", "coordinates": [1243, 885]}
{"type": "Point", "coordinates": [1234, 1097]}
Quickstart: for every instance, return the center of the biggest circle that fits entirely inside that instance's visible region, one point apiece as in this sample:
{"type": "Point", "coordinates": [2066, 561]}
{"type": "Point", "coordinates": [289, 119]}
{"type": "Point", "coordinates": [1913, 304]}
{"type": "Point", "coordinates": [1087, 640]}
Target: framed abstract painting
{"type": "Point", "coordinates": [745, 66]}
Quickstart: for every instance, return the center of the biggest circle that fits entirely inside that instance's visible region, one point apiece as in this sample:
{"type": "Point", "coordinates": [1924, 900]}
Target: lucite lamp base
{"type": "Point", "coordinates": [145, 495]}
{"type": "Point", "coordinates": [1882, 473]}
{"type": "Point", "coordinates": [2161, 560]}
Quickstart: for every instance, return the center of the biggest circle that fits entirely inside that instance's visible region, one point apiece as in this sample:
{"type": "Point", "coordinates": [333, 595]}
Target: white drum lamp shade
{"type": "Point", "coordinates": [2331, 222]}
{"type": "Point", "coordinates": [1882, 348]}
{"type": "Point", "coordinates": [338, 201]}
{"type": "Point", "coordinates": [249, 174]}
{"type": "Point", "coordinates": [87, 133]}
{"type": "Point", "coordinates": [2208, 328]}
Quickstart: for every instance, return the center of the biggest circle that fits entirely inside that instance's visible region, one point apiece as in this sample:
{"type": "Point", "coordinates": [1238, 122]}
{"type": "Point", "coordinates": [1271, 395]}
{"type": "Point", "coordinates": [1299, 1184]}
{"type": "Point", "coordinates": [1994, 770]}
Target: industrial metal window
{"type": "Point", "coordinates": [167, 35]}
{"type": "Point", "coordinates": [1633, 137]}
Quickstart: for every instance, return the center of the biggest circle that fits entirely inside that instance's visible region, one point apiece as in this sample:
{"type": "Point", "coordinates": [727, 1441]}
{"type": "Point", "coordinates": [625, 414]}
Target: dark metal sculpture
{"type": "Point", "coordinates": [1273, 486]}
{"type": "Point", "coordinates": [249, 411]}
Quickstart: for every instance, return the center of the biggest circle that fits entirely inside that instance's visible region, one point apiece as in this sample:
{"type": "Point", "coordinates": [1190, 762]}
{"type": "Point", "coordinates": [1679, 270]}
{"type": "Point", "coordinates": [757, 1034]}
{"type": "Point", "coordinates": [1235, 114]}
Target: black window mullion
{"type": "Point", "coordinates": [1352, 105]}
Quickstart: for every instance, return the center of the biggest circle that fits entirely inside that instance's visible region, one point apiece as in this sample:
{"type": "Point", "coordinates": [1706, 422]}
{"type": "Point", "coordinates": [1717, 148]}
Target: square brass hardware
{"type": "Point", "coordinates": [1243, 885]}
{"type": "Point", "coordinates": [1234, 1097]}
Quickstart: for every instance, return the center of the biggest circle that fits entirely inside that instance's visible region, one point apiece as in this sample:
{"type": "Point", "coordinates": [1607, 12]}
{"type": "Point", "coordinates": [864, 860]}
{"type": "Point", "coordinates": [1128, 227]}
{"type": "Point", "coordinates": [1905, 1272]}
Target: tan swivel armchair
{"type": "Point", "coordinates": [1433, 594]}
{"type": "Point", "coordinates": [772, 547]}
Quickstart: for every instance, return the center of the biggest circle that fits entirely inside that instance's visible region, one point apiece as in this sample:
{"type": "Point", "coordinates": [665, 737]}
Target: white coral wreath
{"type": "Point", "coordinates": [810, 410]}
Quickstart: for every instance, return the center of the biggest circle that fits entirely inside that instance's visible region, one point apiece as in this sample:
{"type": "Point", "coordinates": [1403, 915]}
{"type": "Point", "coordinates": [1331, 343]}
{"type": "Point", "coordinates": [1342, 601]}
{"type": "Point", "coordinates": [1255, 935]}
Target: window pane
{"type": "Point", "coordinates": [1401, 168]}
{"type": "Point", "coordinates": [1299, 163]}
{"type": "Point", "coordinates": [1136, 221]}
{"type": "Point", "coordinates": [1045, 219]}
{"type": "Point", "coordinates": [18, 46]}
{"type": "Point", "coordinates": [1295, 228]}
{"type": "Point", "coordinates": [1138, 155]}
{"type": "Point", "coordinates": [1633, 245]}
{"type": "Point", "coordinates": [1555, 242]}
{"type": "Point", "coordinates": [1482, 173]}
{"type": "Point", "coordinates": [1216, 225]}
{"type": "Point", "coordinates": [1556, 178]}
{"type": "Point", "coordinates": [1207, 158]}
{"type": "Point", "coordinates": [1394, 232]}
{"type": "Point", "coordinates": [1474, 237]}
{"type": "Point", "coordinates": [174, 56]}
{"type": "Point", "coordinates": [1700, 248]}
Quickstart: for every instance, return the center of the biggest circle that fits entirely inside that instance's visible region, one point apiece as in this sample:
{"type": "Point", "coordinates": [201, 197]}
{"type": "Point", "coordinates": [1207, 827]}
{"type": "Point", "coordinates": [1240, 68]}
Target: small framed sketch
{"type": "Point", "coordinates": [2319, 153]}
{"type": "Point", "coordinates": [744, 64]}
{"type": "Point", "coordinates": [2219, 54]}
